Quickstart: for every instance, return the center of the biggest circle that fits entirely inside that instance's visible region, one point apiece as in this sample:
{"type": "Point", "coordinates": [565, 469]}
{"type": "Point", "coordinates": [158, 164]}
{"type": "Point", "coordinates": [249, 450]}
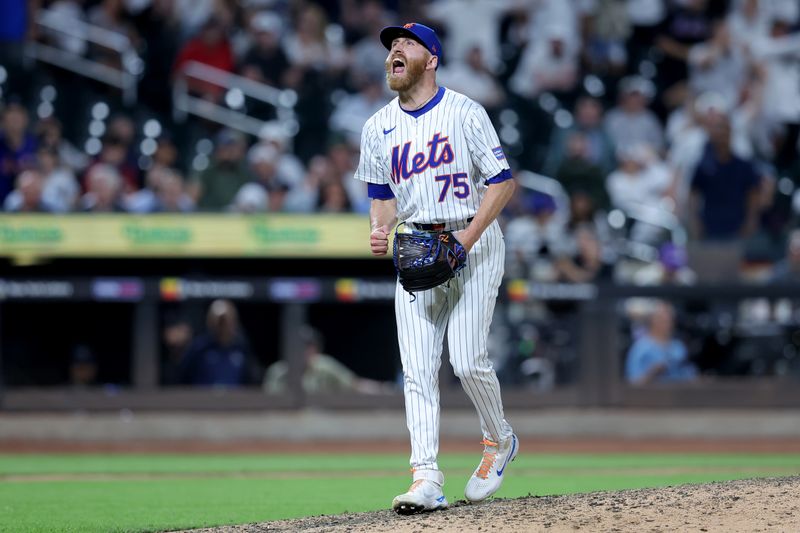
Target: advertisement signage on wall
{"type": "Point", "coordinates": [197, 235]}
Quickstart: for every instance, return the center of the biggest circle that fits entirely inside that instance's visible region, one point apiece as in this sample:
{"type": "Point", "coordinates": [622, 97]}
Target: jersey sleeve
{"type": "Point", "coordinates": [484, 146]}
{"type": "Point", "coordinates": [371, 166]}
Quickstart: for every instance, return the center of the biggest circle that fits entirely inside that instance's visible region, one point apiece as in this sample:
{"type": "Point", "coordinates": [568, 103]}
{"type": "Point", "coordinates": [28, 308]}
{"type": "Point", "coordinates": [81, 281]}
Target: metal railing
{"type": "Point", "coordinates": [625, 243]}
{"type": "Point", "coordinates": [125, 78]}
{"type": "Point", "coordinates": [236, 89]}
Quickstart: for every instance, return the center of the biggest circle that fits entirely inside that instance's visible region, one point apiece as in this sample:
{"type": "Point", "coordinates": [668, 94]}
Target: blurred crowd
{"type": "Point", "coordinates": [659, 122]}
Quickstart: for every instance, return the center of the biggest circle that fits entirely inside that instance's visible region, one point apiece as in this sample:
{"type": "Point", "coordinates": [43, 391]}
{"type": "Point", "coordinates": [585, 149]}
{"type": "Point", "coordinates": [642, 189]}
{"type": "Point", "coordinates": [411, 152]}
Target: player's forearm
{"type": "Point", "coordinates": [382, 213]}
{"type": "Point", "coordinates": [495, 199]}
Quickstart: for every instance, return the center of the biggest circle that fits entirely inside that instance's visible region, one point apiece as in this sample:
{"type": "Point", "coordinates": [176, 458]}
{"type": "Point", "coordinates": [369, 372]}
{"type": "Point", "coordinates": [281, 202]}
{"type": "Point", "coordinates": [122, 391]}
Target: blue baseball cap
{"type": "Point", "coordinates": [418, 32]}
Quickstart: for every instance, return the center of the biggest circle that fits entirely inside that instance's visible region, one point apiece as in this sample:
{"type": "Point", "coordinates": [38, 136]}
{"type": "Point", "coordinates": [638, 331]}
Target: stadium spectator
{"type": "Point", "coordinates": [83, 367]}
{"type": "Point", "coordinates": [171, 196]}
{"type": "Point", "coordinates": [164, 193]}
{"type": "Point", "coordinates": [251, 198]}
{"type": "Point", "coordinates": [103, 191]}
{"type": "Point", "coordinates": [657, 356]}
{"type": "Point", "coordinates": [584, 263]}
{"type": "Point", "coordinates": [605, 26]}
{"type": "Point", "coordinates": [688, 136]}
{"type": "Point", "coordinates": [265, 60]}
{"type": "Point", "coordinates": [641, 179]}
{"type": "Point", "coordinates": [473, 76]}
{"type": "Point", "coordinates": [719, 65]}
{"type": "Point", "coordinates": [533, 239]}
{"type": "Point", "coordinates": [49, 132]}
{"type": "Point", "coordinates": [333, 198]}
{"type": "Point", "coordinates": [176, 337]}
{"type": "Point", "coordinates": [597, 149]}
{"type": "Point", "coordinates": [549, 63]}
{"type": "Point", "coordinates": [460, 18]}
{"type": "Point", "coordinates": [111, 15]}
{"type": "Point", "coordinates": [367, 54]}
{"type": "Point", "coordinates": [321, 373]}
{"type": "Point", "coordinates": [726, 194]}
{"type": "Point", "coordinates": [356, 17]}
{"type": "Point", "coordinates": [584, 212]}
{"type": "Point", "coordinates": [220, 356]}
{"type": "Point", "coordinates": [264, 160]}
{"type": "Point", "coordinates": [308, 47]}
{"type": "Point", "coordinates": [779, 53]}
{"type": "Point", "coordinates": [61, 188]}
{"type": "Point", "coordinates": [631, 122]}
{"type": "Point", "coordinates": [192, 14]}
{"type": "Point", "coordinates": [316, 64]}
{"type": "Point", "coordinates": [289, 165]}
{"type": "Point", "coordinates": [305, 197]}
{"type": "Point", "coordinates": [215, 187]}
{"type": "Point", "coordinates": [17, 146]}
{"type": "Point", "coordinates": [114, 153]}
{"type": "Point", "coordinates": [166, 154]}
{"type": "Point", "coordinates": [579, 175]}
{"type": "Point", "coordinates": [210, 47]}
{"type": "Point", "coordinates": [687, 23]}
{"type": "Point", "coordinates": [343, 158]}
{"type": "Point", "coordinates": [27, 195]}
{"type": "Point", "coordinates": [353, 110]}
{"type": "Point", "coordinates": [748, 20]}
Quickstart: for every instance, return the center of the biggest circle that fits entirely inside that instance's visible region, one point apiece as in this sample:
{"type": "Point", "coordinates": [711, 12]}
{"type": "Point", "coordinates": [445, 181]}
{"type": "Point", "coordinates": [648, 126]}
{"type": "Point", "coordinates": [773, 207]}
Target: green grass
{"type": "Point", "coordinates": [155, 492]}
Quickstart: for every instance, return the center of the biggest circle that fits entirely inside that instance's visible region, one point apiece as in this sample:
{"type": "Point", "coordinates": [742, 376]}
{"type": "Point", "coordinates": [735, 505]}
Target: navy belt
{"type": "Point", "coordinates": [438, 226]}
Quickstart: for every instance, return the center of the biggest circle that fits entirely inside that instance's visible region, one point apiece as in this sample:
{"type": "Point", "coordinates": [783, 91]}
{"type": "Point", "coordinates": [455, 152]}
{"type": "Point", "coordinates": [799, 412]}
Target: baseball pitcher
{"type": "Point", "coordinates": [433, 163]}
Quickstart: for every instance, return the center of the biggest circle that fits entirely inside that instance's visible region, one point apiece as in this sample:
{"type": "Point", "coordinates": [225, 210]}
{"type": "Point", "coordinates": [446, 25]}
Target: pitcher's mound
{"type": "Point", "coordinates": [770, 504]}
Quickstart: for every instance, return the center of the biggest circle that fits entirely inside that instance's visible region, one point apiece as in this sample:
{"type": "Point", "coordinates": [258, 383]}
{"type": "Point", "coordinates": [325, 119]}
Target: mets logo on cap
{"type": "Point", "coordinates": [409, 25]}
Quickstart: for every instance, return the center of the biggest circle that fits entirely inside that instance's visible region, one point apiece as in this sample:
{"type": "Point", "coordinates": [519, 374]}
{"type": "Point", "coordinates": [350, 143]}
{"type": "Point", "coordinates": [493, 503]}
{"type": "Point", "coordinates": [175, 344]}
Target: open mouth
{"type": "Point", "coordinates": [398, 66]}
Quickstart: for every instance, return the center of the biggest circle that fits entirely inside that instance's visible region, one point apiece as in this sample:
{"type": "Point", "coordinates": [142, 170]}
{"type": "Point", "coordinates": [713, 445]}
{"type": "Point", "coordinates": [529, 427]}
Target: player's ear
{"type": "Point", "coordinates": [433, 62]}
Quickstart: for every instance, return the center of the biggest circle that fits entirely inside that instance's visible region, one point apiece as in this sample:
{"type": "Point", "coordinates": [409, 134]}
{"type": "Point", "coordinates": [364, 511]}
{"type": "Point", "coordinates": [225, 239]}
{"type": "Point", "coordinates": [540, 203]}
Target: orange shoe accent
{"type": "Point", "coordinates": [487, 461]}
{"type": "Point", "coordinates": [415, 485]}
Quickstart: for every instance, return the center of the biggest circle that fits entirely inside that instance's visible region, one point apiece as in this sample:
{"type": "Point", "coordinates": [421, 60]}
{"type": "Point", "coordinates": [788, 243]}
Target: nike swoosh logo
{"type": "Point", "coordinates": [510, 455]}
{"type": "Point", "coordinates": [387, 132]}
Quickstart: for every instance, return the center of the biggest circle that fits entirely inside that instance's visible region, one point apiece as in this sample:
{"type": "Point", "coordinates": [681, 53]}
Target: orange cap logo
{"type": "Point", "coordinates": [409, 25]}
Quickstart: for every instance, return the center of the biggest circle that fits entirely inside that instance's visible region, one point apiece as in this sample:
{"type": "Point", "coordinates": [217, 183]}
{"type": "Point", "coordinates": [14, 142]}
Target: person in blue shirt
{"type": "Point", "coordinates": [726, 189]}
{"type": "Point", "coordinates": [657, 356]}
{"type": "Point", "coordinates": [220, 357]}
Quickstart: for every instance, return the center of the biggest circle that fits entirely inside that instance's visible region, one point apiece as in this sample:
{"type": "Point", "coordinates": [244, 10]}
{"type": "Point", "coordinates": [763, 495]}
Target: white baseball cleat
{"type": "Point", "coordinates": [488, 477]}
{"type": "Point", "coordinates": [424, 495]}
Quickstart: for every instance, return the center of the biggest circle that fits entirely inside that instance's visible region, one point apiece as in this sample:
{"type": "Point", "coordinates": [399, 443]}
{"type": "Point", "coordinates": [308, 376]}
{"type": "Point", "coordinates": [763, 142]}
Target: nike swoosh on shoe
{"type": "Point", "coordinates": [511, 453]}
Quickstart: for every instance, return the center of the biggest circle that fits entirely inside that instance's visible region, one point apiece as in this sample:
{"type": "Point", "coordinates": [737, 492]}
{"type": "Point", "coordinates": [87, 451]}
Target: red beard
{"type": "Point", "coordinates": [414, 70]}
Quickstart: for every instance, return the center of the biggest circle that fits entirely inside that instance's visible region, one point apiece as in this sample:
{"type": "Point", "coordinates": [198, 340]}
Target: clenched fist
{"type": "Point", "coordinates": [379, 240]}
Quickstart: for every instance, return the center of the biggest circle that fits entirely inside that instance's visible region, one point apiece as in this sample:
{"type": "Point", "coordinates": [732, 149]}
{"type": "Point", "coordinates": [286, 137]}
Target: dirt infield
{"type": "Point", "coordinates": [735, 506]}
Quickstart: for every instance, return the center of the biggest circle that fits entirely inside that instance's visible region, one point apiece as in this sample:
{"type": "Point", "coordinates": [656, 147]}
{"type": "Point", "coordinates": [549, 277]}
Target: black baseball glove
{"type": "Point", "coordinates": [424, 260]}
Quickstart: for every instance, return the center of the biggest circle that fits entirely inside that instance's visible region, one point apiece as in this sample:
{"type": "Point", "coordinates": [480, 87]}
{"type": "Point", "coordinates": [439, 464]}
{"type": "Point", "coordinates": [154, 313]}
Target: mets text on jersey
{"type": "Point", "coordinates": [420, 161]}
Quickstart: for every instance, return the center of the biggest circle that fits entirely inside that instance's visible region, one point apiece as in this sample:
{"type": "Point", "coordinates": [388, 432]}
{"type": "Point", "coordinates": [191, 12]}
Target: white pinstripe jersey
{"type": "Point", "coordinates": [436, 159]}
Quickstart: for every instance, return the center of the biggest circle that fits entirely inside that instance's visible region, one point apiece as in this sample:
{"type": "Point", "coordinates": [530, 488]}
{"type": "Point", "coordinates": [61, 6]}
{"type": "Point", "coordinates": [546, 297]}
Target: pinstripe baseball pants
{"type": "Point", "coordinates": [464, 310]}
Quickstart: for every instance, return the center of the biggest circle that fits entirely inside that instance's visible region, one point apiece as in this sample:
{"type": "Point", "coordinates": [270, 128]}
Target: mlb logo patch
{"type": "Point", "coordinates": [498, 153]}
